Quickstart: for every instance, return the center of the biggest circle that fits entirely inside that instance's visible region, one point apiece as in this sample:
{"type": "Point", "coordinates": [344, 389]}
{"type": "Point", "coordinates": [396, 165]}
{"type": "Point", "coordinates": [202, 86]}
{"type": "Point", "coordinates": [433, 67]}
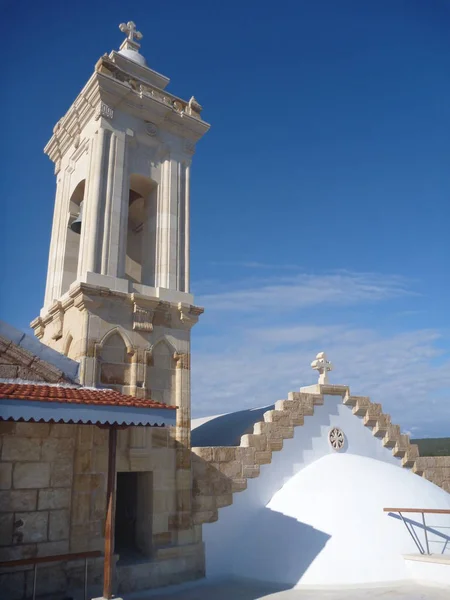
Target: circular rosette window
{"type": "Point", "coordinates": [336, 438]}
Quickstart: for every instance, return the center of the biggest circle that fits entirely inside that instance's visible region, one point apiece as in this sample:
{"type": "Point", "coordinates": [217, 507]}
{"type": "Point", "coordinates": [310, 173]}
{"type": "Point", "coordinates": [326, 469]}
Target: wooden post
{"type": "Point", "coordinates": [110, 506]}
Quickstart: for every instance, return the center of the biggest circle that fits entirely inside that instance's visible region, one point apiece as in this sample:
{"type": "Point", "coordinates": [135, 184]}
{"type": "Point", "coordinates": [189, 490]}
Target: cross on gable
{"type": "Point", "coordinates": [133, 35]}
{"type": "Point", "coordinates": [322, 365]}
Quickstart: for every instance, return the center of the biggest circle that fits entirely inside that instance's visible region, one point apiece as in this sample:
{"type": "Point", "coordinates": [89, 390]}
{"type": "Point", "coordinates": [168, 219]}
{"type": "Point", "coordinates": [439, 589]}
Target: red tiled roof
{"type": "Point", "coordinates": [98, 397]}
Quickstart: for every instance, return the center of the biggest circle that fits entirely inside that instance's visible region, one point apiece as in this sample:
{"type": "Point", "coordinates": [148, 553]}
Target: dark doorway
{"type": "Point", "coordinates": [134, 515]}
{"type": "Point", "coordinates": [126, 513]}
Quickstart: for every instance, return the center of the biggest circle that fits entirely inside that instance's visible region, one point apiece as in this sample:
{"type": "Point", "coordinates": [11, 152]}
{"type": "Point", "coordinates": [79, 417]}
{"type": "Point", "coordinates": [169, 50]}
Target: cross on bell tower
{"type": "Point", "coordinates": [133, 34]}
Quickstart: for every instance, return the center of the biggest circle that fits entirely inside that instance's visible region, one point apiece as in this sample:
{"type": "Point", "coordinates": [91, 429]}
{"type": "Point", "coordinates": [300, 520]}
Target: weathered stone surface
{"type": "Point", "coordinates": [18, 552]}
{"type": "Point", "coordinates": [53, 498]}
{"type": "Point", "coordinates": [31, 430]}
{"type": "Point", "coordinates": [88, 483]}
{"type": "Point", "coordinates": [57, 449]}
{"type": "Point", "coordinates": [81, 507]}
{"type": "Point", "coordinates": [5, 476]}
{"type": "Point", "coordinates": [31, 475]}
{"type": "Point", "coordinates": [53, 548]}
{"type": "Point", "coordinates": [59, 525]}
{"type": "Point", "coordinates": [17, 448]}
{"type": "Point", "coordinates": [18, 500]}
{"type": "Point", "coordinates": [30, 527]}
{"type": "Point", "coordinates": [6, 528]}
{"type": "Point", "coordinates": [205, 453]}
{"type": "Point", "coordinates": [7, 427]}
{"type": "Point", "coordinates": [224, 454]}
{"type": "Point", "coordinates": [231, 469]}
{"type": "Point", "coordinates": [62, 430]}
{"type": "Point", "coordinates": [61, 474]}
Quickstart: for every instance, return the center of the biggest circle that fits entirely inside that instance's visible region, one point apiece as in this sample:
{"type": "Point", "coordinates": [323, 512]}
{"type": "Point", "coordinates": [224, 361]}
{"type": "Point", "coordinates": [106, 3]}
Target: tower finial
{"type": "Point", "coordinates": [133, 35]}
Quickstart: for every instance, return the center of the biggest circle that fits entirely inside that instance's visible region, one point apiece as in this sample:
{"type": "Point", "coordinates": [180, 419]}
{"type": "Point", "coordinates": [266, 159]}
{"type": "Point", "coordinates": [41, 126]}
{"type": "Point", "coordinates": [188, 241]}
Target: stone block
{"type": "Point", "coordinates": [17, 448]}
{"type": "Point", "coordinates": [81, 508]}
{"type": "Point", "coordinates": [205, 453]}
{"type": "Point", "coordinates": [7, 427]}
{"type": "Point", "coordinates": [53, 498]}
{"type": "Point", "coordinates": [57, 449]}
{"type": "Point", "coordinates": [224, 454]}
{"type": "Point", "coordinates": [31, 430]}
{"type": "Point", "coordinates": [30, 527]}
{"type": "Point", "coordinates": [18, 552]}
{"type": "Point", "coordinates": [204, 503]}
{"type": "Point", "coordinates": [162, 539]}
{"type": "Point", "coordinates": [31, 475]}
{"type": "Point", "coordinates": [53, 548]}
{"type": "Point", "coordinates": [183, 458]}
{"type": "Point", "coordinates": [61, 474]}
{"type": "Point", "coordinates": [183, 500]}
{"type": "Point", "coordinates": [88, 483]}
{"type": "Point", "coordinates": [160, 437]}
{"type": "Point", "coordinates": [160, 523]}
{"type": "Point", "coordinates": [62, 430]}
{"type": "Point", "coordinates": [59, 525]}
{"type": "Point", "coordinates": [231, 469]}
{"type": "Point", "coordinates": [6, 529]}
{"type": "Point", "coordinates": [18, 500]}
{"type": "Point", "coordinates": [5, 476]}
{"type": "Point", "coordinates": [84, 460]}
{"type": "Point", "coordinates": [164, 501]}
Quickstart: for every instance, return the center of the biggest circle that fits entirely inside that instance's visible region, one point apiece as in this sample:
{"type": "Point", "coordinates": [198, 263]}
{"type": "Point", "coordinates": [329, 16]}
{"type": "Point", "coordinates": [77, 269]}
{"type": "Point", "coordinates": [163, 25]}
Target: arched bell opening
{"type": "Point", "coordinates": [141, 231]}
{"type": "Point", "coordinates": [72, 250]}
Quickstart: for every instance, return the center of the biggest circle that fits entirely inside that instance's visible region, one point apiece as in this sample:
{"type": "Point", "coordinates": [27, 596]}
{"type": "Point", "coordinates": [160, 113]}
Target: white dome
{"type": "Point", "coordinates": [326, 525]}
{"type": "Point", "coordinates": [134, 56]}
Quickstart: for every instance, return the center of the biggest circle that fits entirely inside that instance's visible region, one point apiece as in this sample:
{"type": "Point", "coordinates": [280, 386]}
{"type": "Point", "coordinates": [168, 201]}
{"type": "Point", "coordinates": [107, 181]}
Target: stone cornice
{"type": "Point", "coordinates": [116, 88]}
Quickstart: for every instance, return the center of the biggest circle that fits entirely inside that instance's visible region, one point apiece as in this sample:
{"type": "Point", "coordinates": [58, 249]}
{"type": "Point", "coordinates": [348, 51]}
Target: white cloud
{"type": "Point", "coordinates": [304, 290]}
{"type": "Point", "coordinates": [239, 364]}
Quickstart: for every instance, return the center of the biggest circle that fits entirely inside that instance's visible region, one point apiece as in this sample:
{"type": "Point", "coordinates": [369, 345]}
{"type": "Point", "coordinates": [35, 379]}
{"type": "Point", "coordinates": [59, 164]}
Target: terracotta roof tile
{"type": "Point", "coordinates": [97, 397]}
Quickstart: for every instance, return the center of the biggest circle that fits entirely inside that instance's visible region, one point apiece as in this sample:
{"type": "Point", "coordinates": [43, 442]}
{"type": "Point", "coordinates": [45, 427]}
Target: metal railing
{"type": "Point", "coordinates": [409, 524]}
{"type": "Point", "coordinates": [56, 558]}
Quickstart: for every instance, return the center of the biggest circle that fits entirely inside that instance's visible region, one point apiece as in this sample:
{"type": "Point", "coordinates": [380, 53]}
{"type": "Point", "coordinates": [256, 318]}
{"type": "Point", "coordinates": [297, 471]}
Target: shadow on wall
{"type": "Point", "coordinates": [226, 430]}
{"type": "Point", "coordinates": [280, 550]}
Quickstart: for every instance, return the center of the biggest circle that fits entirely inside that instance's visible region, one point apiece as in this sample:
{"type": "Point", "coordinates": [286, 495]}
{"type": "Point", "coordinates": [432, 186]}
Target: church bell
{"type": "Point", "coordinates": [76, 225]}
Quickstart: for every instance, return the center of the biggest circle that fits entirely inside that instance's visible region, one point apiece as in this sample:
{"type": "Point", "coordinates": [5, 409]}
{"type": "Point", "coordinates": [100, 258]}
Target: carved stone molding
{"type": "Point", "coordinates": [183, 360]}
{"type": "Point", "coordinates": [189, 314]}
{"type": "Point", "coordinates": [142, 318]}
{"type": "Point", "coordinates": [103, 110]}
{"type": "Point", "coordinates": [151, 129]}
{"type": "Point", "coordinates": [39, 327]}
{"type": "Point", "coordinates": [336, 438]}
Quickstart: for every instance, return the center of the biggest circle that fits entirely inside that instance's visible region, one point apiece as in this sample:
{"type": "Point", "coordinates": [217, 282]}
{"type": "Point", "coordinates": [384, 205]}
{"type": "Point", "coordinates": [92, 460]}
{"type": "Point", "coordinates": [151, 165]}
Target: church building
{"type": "Point", "coordinates": [107, 485]}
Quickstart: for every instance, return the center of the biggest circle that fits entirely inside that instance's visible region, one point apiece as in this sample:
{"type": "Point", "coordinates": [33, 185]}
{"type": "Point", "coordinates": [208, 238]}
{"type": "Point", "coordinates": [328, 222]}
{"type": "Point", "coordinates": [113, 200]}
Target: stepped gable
{"type": "Point", "coordinates": [221, 471]}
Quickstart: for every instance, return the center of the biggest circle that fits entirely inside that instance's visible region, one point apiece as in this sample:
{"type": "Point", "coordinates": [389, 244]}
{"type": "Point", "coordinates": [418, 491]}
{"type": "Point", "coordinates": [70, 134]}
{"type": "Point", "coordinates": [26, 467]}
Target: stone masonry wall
{"type": "Point", "coordinates": [35, 499]}
{"type": "Point", "coordinates": [53, 498]}
{"type": "Point", "coordinates": [436, 469]}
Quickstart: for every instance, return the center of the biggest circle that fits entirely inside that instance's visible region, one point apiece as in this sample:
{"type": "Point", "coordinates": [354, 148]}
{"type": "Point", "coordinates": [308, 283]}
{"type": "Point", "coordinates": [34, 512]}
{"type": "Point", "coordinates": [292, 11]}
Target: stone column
{"type": "Point", "coordinates": [187, 225]}
{"type": "Point", "coordinates": [167, 244]}
{"type": "Point", "coordinates": [95, 203]}
{"type": "Point", "coordinates": [57, 243]}
{"type": "Point", "coordinates": [183, 442]}
{"type": "Point", "coordinates": [116, 203]}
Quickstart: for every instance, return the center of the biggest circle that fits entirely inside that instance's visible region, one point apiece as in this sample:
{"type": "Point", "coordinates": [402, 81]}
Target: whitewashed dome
{"type": "Point", "coordinates": [326, 525]}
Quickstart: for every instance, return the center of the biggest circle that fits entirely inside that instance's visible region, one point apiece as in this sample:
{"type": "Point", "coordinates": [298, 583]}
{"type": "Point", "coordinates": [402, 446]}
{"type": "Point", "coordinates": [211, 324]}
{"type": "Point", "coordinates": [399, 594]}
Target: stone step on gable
{"type": "Point", "coordinates": [219, 472]}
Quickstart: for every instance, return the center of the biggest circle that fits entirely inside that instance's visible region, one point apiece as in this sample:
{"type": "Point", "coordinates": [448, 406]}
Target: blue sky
{"type": "Point", "coordinates": [320, 196]}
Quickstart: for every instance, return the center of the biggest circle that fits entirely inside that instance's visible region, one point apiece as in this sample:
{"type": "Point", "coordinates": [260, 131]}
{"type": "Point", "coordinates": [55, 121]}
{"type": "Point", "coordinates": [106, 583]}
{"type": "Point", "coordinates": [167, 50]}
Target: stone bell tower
{"type": "Point", "coordinates": [117, 296]}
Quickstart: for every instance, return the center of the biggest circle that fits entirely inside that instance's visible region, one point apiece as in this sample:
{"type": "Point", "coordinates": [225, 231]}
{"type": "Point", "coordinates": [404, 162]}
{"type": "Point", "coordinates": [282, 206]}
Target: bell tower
{"type": "Point", "coordinates": [117, 297]}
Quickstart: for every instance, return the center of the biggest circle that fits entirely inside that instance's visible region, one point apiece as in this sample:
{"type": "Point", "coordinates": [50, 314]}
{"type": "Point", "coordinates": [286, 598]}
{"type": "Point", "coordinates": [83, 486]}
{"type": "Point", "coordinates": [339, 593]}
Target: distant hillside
{"type": "Point", "coordinates": [433, 446]}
